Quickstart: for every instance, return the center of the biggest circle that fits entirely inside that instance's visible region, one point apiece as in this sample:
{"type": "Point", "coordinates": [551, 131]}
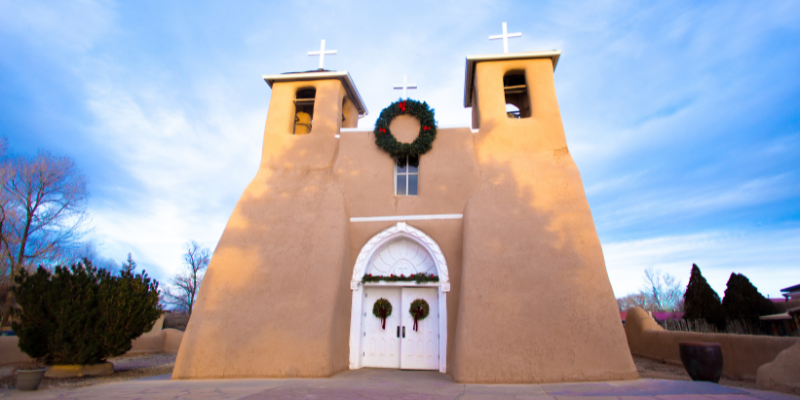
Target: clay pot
{"type": "Point", "coordinates": [703, 361]}
{"type": "Point", "coordinates": [29, 379]}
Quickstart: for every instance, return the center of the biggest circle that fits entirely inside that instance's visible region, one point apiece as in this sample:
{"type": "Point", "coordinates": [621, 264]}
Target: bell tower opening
{"type": "Point", "coordinates": [518, 102]}
{"type": "Point", "coordinates": [304, 110]}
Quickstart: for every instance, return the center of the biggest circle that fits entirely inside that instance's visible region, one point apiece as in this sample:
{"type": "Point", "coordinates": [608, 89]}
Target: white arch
{"type": "Point", "coordinates": [389, 234]}
{"type": "Point", "coordinates": [401, 229]}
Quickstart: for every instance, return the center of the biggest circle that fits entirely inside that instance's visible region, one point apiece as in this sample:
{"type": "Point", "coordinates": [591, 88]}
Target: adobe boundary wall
{"type": "Point", "coordinates": [742, 354]}
{"type": "Point", "coordinates": [165, 341]}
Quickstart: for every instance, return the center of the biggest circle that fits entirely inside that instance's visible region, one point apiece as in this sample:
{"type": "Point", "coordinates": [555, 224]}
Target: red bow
{"type": "Point", "coordinates": [417, 314]}
{"type": "Point", "coordinates": [427, 128]}
{"type": "Point", "coordinates": [382, 130]}
{"type": "Point", "coordinates": [402, 106]}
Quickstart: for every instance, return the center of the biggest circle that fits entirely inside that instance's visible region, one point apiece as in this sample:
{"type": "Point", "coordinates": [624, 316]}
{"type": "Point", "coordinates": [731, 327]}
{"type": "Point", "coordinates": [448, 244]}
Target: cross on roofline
{"type": "Point", "coordinates": [321, 53]}
{"type": "Point", "coordinates": [505, 37]}
{"type": "Point", "coordinates": [406, 86]}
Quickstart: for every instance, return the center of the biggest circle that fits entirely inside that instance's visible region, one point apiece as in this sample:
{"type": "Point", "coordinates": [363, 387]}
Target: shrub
{"type": "Point", "coordinates": [82, 315]}
{"type": "Point", "coordinates": [743, 301]}
{"type": "Point", "coordinates": [701, 301]}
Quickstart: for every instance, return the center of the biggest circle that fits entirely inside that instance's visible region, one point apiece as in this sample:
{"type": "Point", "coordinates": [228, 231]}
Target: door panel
{"type": "Point", "coordinates": [380, 348]}
{"type": "Point", "coordinates": [420, 349]}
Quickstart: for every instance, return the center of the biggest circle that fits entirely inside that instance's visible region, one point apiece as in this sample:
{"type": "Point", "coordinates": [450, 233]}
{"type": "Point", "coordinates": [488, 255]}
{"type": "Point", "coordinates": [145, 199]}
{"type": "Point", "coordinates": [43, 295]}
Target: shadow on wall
{"type": "Point", "coordinates": [742, 354]}
{"type": "Point", "coordinates": [536, 303]}
{"type": "Point", "coordinates": [275, 300]}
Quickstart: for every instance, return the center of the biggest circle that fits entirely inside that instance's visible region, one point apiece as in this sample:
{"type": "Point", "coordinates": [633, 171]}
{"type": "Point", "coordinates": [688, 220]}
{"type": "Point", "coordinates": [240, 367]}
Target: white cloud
{"type": "Point", "coordinates": [73, 26]}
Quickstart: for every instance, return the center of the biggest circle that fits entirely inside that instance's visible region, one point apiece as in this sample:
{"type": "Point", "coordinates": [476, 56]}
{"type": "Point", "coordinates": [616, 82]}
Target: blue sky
{"type": "Point", "coordinates": [683, 117]}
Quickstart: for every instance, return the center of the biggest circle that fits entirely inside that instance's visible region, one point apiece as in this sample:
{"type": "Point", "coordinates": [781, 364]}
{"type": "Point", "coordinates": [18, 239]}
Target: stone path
{"type": "Point", "coordinates": [391, 385]}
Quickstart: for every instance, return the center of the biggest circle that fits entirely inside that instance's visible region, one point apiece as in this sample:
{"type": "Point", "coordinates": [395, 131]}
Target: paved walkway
{"type": "Point", "coordinates": [391, 385]}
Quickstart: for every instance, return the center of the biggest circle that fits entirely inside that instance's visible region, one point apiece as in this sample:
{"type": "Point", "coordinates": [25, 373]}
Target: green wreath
{"type": "Point", "coordinates": [427, 130]}
{"type": "Point", "coordinates": [382, 309]}
{"type": "Point", "coordinates": [419, 310]}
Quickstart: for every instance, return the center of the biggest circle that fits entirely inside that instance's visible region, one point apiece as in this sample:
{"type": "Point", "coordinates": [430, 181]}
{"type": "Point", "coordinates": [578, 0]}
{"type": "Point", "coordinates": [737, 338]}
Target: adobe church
{"type": "Point", "coordinates": [477, 257]}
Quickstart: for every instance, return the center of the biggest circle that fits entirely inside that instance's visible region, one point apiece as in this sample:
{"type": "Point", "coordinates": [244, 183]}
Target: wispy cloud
{"type": "Point", "coordinates": [682, 117]}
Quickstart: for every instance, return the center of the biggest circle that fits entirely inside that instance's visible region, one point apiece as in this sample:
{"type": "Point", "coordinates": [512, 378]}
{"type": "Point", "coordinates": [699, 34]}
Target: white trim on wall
{"type": "Point", "coordinates": [401, 229]}
{"type": "Point", "coordinates": [407, 217]}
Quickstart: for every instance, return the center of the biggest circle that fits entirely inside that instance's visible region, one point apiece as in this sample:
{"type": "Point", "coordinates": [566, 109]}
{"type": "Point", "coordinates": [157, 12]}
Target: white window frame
{"type": "Point", "coordinates": [406, 174]}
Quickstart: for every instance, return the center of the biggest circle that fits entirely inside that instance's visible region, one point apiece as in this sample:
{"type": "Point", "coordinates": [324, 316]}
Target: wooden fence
{"type": "Point", "coordinates": [738, 326]}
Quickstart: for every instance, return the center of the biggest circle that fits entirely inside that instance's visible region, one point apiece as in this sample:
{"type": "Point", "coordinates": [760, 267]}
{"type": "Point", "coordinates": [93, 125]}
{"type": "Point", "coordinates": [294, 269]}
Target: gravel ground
{"type": "Point", "coordinates": [125, 368]}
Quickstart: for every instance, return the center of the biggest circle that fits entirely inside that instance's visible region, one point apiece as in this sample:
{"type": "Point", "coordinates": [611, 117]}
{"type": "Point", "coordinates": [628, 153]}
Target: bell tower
{"type": "Point", "coordinates": [275, 300]}
{"type": "Point", "coordinates": [536, 302]}
{"type": "Point", "coordinates": [306, 111]}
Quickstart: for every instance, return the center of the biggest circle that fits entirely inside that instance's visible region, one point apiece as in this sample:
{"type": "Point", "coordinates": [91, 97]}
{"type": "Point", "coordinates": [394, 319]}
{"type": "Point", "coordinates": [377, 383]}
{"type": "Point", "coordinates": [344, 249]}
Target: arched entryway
{"type": "Point", "coordinates": [400, 249]}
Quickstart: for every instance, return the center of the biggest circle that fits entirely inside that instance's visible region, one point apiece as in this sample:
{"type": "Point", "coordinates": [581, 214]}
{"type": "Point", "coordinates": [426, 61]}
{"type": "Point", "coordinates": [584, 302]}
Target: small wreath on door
{"type": "Point", "coordinates": [419, 310]}
{"type": "Point", "coordinates": [382, 309]}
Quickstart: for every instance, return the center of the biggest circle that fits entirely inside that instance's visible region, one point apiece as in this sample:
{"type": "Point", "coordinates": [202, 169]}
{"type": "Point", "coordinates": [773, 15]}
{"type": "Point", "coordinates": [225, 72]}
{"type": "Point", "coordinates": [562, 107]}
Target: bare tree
{"type": "Point", "coordinates": [633, 300]}
{"type": "Point", "coordinates": [663, 290]}
{"type": "Point", "coordinates": [43, 205]}
{"type": "Point", "coordinates": [6, 214]}
{"type": "Point", "coordinates": [654, 288]}
{"type": "Point", "coordinates": [660, 292]}
{"type": "Point", "coordinates": [88, 251]}
{"type": "Point", "coordinates": [182, 293]}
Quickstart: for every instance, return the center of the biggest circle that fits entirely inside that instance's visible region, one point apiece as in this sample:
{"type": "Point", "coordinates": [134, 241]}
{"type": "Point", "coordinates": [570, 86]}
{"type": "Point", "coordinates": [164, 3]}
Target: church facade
{"type": "Point", "coordinates": [492, 222]}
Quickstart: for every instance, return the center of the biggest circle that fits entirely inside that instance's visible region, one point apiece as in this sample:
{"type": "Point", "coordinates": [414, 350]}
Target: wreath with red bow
{"type": "Point", "coordinates": [419, 310]}
{"type": "Point", "coordinates": [424, 141]}
{"type": "Point", "coordinates": [382, 309]}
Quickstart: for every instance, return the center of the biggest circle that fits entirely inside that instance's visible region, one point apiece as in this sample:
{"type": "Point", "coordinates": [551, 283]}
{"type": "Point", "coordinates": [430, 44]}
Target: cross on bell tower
{"type": "Point", "coordinates": [321, 53]}
{"type": "Point", "coordinates": [505, 37]}
{"type": "Point", "coordinates": [406, 86]}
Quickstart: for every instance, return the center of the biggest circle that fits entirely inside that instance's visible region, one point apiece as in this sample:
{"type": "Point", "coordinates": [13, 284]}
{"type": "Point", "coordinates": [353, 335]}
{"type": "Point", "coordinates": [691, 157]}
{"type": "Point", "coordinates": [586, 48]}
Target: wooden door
{"type": "Point", "coordinates": [420, 348]}
{"type": "Point", "coordinates": [380, 348]}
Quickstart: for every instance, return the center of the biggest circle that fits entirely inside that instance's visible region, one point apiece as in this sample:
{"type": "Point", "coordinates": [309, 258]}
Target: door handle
{"type": "Point", "coordinates": [404, 332]}
{"type": "Point", "coordinates": [398, 331]}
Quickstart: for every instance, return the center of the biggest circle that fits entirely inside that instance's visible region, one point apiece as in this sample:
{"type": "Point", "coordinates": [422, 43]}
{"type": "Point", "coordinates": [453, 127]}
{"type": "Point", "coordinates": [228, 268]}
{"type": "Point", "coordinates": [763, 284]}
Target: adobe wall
{"type": "Point", "coordinates": [275, 300]}
{"type": "Point", "coordinates": [742, 355]}
{"type": "Point", "coordinates": [536, 303]}
{"type": "Point", "coordinates": [783, 373]}
{"type": "Point", "coordinates": [10, 352]}
{"type": "Point", "coordinates": [448, 173]}
{"type": "Point", "coordinates": [448, 176]}
{"type": "Point", "coordinates": [155, 341]}
{"type": "Point", "coordinates": [163, 341]}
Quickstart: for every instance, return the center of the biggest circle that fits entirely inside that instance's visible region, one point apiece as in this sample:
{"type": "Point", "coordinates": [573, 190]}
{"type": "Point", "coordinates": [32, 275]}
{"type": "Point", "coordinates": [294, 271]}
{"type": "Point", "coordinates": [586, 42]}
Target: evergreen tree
{"type": "Point", "coordinates": [702, 302]}
{"type": "Point", "coordinates": [743, 301]}
{"type": "Point", "coordinates": [129, 265]}
{"type": "Point", "coordinates": [82, 315]}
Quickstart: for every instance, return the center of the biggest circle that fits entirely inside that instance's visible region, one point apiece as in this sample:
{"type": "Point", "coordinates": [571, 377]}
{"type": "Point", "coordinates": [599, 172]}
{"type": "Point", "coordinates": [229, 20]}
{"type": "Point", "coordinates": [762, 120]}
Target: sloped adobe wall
{"type": "Point", "coordinates": [275, 301]}
{"type": "Point", "coordinates": [536, 302]}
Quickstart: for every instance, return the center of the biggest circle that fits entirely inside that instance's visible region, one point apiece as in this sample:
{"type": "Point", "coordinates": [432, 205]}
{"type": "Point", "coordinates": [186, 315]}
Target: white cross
{"type": "Point", "coordinates": [321, 53]}
{"type": "Point", "coordinates": [406, 86]}
{"type": "Point", "coordinates": [505, 37]}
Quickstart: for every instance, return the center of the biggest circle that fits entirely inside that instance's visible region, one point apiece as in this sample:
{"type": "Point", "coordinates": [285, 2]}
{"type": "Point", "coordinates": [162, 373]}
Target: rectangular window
{"type": "Point", "coordinates": [406, 177]}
